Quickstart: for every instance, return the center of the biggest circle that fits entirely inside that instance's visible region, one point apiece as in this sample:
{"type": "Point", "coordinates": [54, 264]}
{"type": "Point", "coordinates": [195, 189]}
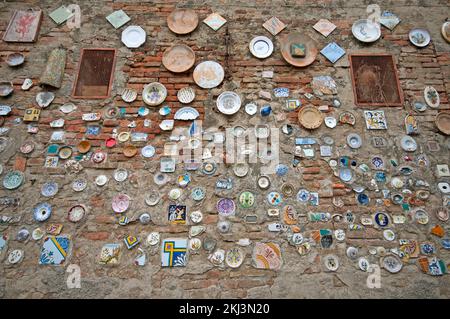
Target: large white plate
{"type": "Point", "coordinates": [228, 103]}
{"type": "Point", "coordinates": [154, 93]}
{"type": "Point", "coordinates": [261, 47]}
{"type": "Point", "coordinates": [133, 36]}
{"type": "Point", "coordinates": [208, 74]}
{"type": "Point", "coordinates": [419, 37]}
{"type": "Point", "coordinates": [366, 31]}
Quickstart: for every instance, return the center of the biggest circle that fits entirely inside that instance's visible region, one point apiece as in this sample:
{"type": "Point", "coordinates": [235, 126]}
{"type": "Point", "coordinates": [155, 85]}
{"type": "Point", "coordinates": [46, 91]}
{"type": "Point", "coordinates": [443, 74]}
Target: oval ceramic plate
{"type": "Point", "coordinates": [261, 47]}
{"type": "Point", "coordinates": [67, 108]}
{"type": "Point", "coordinates": [432, 97]}
{"type": "Point", "coordinates": [234, 257]}
{"type": "Point", "coordinates": [15, 59]}
{"type": "Point", "coordinates": [298, 38]}
{"type": "Point", "coordinates": [208, 74]}
{"type": "Point", "coordinates": [392, 264]}
{"type": "Point", "coordinates": [419, 37]}
{"type": "Point", "coordinates": [133, 36]}
{"type": "Point", "coordinates": [366, 31]}
{"type": "Point", "coordinates": [228, 103]}
{"type": "Point", "coordinates": [251, 108]}
{"type": "Point", "coordinates": [27, 147]}
{"type": "Point", "coordinates": [330, 122]}
{"type": "Point", "coordinates": [408, 144]}
{"type": "Point", "coordinates": [182, 21]}
{"type": "Point", "coordinates": [310, 117]}
{"type": "Point", "coordinates": [186, 95]}
{"type": "Point", "coordinates": [6, 88]}
{"type": "Point", "coordinates": [154, 94]}
{"type": "Point", "coordinates": [178, 58]}
{"type": "Point", "coordinates": [443, 122]}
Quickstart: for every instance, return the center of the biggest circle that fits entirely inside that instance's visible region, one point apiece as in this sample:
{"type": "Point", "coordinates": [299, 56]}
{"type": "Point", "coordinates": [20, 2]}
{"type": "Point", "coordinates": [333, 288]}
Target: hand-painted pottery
{"type": "Point", "coordinates": [42, 212]}
{"type": "Point", "coordinates": [226, 207]}
{"type": "Point", "coordinates": [120, 203]}
{"type": "Point", "coordinates": [49, 189]}
{"type": "Point", "coordinates": [13, 180]}
{"type": "Point", "coordinates": [76, 213]}
{"type": "Point", "coordinates": [234, 257]}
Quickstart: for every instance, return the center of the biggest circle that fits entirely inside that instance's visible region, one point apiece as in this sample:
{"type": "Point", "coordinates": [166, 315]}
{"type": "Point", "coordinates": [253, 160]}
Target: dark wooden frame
{"type": "Point", "coordinates": [399, 89]}
{"type": "Point", "coordinates": [78, 74]}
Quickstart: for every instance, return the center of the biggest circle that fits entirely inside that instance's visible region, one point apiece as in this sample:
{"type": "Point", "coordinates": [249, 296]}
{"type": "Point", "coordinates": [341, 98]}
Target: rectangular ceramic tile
{"type": "Point", "coordinates": [267, 256]}
{"type": "Point", "coordinates": [174, 252]}
{"type": "Point", "coordinates": [333, 52]}
{"type": "Point", "coordinates": [118, 18]}
{"type": "Point", "coordinates": [23, 27]}
{"type": "Point", "coordinates": [61, 15]}
{"type": "Point", "coordinates": [177, 214]}
{"type": "Point", "coordinates": [274, 26]}
{"type": "Point", "coordinates": [324, 27]}
{"type": "Point", "coordinates": [215, 21]}
{"type": "Point", "coordinates": [110, 254]}
{"type": "Point", "coordinates": [375, 120]}
{"type": "Point", "coordinates": [54, 250]}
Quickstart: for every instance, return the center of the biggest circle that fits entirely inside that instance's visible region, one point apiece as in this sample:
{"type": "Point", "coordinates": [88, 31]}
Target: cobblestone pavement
{"type": "Point", "coordinates": [300, 276]}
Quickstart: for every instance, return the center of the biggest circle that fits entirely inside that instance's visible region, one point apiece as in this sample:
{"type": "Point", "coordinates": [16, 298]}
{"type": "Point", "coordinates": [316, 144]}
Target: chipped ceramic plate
{"type": "Point", "coordinates": [421, 216]}
{"type": "Point", "coordinates": [67, 108]}
{"type": "Point", "coordinates": [37, 234]}
{"type": "Point", "coordinates": [389, 235]}
{"type": "Point", "coordinates": [166, 125]}
{"type": "Point", "coordinates": [148, 151]}
{"type": "Point", "coordinates": [262, 131]}
{"type": "Point", "coordinates": [5, 110]}
{"type": "Point", "coordinates": [234, 257]}
{"type": "Point", "coordinates": [129, 95]}
{"type": "Point", "coordinates": [419, 37]}
{"type": "Point", "coordinates": [261, 47]}
{"type": "Point", "coordinates": [44, 99]}
{"type": "Point", "coordinates": [330, 122]}
{"type": "Point", "coordinates": [366, 31]}
{"type": "Point", "coordinates": [251, 108]}
{"type": "Point", "coordinates": [120, 174]}
{"type": "Point", "coordinates": [208, 74]}
{"type": "Point", "coordinates": [101, 180]}
{"type": "Point", "coordinates": [196, 217]}
{"type": "Point", "coordinates": [49, 189]}
{"type": "Point", "coordinates": [228, 103]}
{"type": "Point", "coordinates": [354, 140]}
{"type": "Point", "coordinates": [120, 203]}
{"type": "Point", "coordinates": [76, 213]}
{"type": "Point", "coordinates": [154, 93]}
{"type": "Point", "coordinates": [15, 59]}
{"type": "Point", "coordinates": [186, 95]}
{"type": "Point", "coordinates": [442, 213]}
{"type": "Point", "coordinates": [15, 256]}
{"type": "Point", "coordinates": [27, 84]}
{"type": "Point", "coordinates": [133, 36]}
{"type": "Point", "coordinates": [186, 113]}
{"type": "Point", "coordinates": [79, 185]}
{"type": "Point", "coordinates": [408, 144]}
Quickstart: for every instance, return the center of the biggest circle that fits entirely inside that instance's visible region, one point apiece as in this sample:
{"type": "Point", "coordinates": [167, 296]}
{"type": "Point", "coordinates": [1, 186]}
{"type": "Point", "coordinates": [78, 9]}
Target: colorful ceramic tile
{"type": "Point", "coordinates": [51, 161]}
{"type": "Point", "coordinates": [61, 15]}
{"type": "Point", "coordinates": [54, 250]}
{"type": "Point", "coordinates": [293, 104]}
{"type": "Point", "coordinates": [274, 26]}
{"type": "Point", "coordinates": [281, 92]}
{"type": "Point", "coordinates": [324, 84]}
{"type": "Point", "coordinates": [54, 229]}
{"type": "Point", "coordinates": [110, 254]}
{"type": "Point", "coordinates": [215, 21]}
{"type": "Point", "coordinates": [93, 130]}
{"type": "Point", "coordinates": [411, 125]}
{"type": "Point", "coordinates": [118, 18]}
{"type": "Point", "coordinates": [324, 27]}
{"type": "Point", "coordinates": [267, 256]}
{"type": "Point", "coordinates": [131, 241]}
{"type": "Point", "coordinates": [174, 252]}
{"type": "Point", "coordinates": [389, 20]}
{"type": "Point", "coordinates": [375, 120]}
{"type": "Point", "coordinates": [31, 115]}
{"type": "Point", "coordinates": [177, 214]}
{"type": "Point", "coordinates": [333, 52]}
{"type": "Point", "coordinates": [23, 26]}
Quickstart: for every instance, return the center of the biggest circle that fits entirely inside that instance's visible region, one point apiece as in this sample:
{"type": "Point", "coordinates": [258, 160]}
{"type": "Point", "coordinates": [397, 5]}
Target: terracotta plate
{"type": "Point", "coordinates": [178, 58]}
{"type": "Point", "coordinates": [298, 38]}
{"type": "Point", "coordinates": [182, 21]}
{"type": "Point", "coordinates": [443, 122]}
{"type": "Point", "coordinates": [310, 117]}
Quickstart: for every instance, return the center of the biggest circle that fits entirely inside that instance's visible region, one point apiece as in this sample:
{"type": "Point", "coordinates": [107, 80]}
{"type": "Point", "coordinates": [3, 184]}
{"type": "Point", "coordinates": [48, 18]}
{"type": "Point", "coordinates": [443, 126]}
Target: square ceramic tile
{"type": "Point", "coordinates": [324, 27]}
{"type": "Point", "coordinates": [215, 21]}
{"type": "Point", "coordinates": [110, 254]}
{"type": "Point", "coordinates": [174, 252]}
{"type": "Point", "coordinates": [177, 214]}
{"type": "Point", "coordinates": [389, 20]}
{"type": "Point", "coordinates": [118, 18]}
{"type": "Point", "coordinates": [61, 15]}
{"type": "Point", "coordinates": [375, 120]}
{"type": "Point", "coordinates": [54, 250]}
{"type": "Point", "coordinates": [442, 170]}
{"type": "Point", "coordinates": [274, 25]}
{"type": "Point", "coordinates": [131, 241]}
{"type": "Point", "coordinates": [51, 161]}
{"type": "Point", "coordinates": [333, 52]}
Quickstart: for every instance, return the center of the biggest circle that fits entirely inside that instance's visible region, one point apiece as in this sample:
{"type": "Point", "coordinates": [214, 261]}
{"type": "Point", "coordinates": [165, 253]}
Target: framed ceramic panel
{"type": "Point", "coordinates": [375, 80]}
{"type": "Point", "coordinates": [174, 252]}
{"type": "Point", "coordinates": [95, 73]}
{"type": "Point", "coordinates": [23, 27]}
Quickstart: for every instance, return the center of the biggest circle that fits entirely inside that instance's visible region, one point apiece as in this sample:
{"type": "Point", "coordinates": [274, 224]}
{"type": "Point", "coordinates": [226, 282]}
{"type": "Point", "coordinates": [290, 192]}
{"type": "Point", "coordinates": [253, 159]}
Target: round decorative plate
{"type": "Point", "coordinates": [419, 37]}
{"type": "Point", "coordinates": [345, 174]}
{"type": "Point", "coordinates": [354, 140]}
{"type": "Point", "coordinates": [178, 58]}
{"type": "Point", "coordinates": [186, 95]}
{"type": "Point", "coordinates": [37, 234]}
{"type": "Point", "coordinates": [129, 150]}
{"type": "Point", "coordinates": [287, 190]}
{"type": "Point", "coordinates": [84, 147]}
{"type": "Point", "coordinates": [198, 193]}
{"type": "Point", "coordinates": [246, 199]}
{"type": "Point", "coordinates": [123, 136]}
{"type": "Point", "coordinates": [208, 74]}
{"type": "Point", "coordinates": [152, 198]}
{"type": "Point", "coordinates": [120, 203]}
{"type": "Point", "coordinates": [389, 235]}
{"type": "Point", "coordinates": [419, 106]}
{"type": "Point", "coordinates": [129, 95]}
{"type": "Point", "coordinates": [240, 169]}
{"type": "Point", "coordinates": [432, 97]}
{"type": "Point", "coordinates": [76, 213]}
{"type": "Point", "coordinates": [79, 185]}
{"type": "Point", "coordinates": [443, 122]}
{"type": "Point", "coordinates": [65, 152]}
{"type": "Point", "coordinates": [110, 142]}
{"type": "Point", "coordinates": [251, 108]}
{"type": "Point", "coordinates": [442, 213]}
{"type": "Point", "coordinates": [445, 30]}
{"type": "Point", "coordinates": [13, 180]}
{"type": "Point", "coordinates": [310, 117]}
{"type": "Point", "coordinates": [15, 256]}
{"type": "Point", "coordinates": [6, 88]}
{"type": "Point", "coordinates": [148, 151]}
{"type": "Point", "coordinates": [261, 47]}
{"type": "Point", "coordinates": [15, 59]}
{"type": "Point", "coordinates": [209, 168]}
{"type": "Point", "coordinates": [67, 108]}
{"type": "Point", "coordinates": [42, 212]}
{"type": "Point", "coordinates": [303, 195]}
{"type": "Point", "coordinates": [298, 38]}
{"type": "Point", "coordinates": [366, 31]}
{"type": "Point", "coordinates": [196, 217]}
{"type": "Point", "coordinates": [160, 178]}
{"type": "Point", "coordinates": [226, 207]}
{"type": "Point", "coordinates": [234, 257]}
{"type": "Point", "coordinates": [182, 21]}
{"type": "Point", "coordinates": [228, 103]}
{"type": "Point", "coordinates": [175, 193]}
{"type": "Point", "coordinates": [421, 216]}
{"type": "Point", "coordinates": [133, 36]}
{"type": "Point", "coordinates": [49, 189]}
{"type": "Point", "coordinates": [408, 144]}
{"type": "Point", "coordinates": [263, 182]}
{"type": "Point", "coordinates": [98, 156]}
{"type": "Point", "coordinates": [330, 122]}
{"type": "Point", "coordinates": [347, 118]}
{"type": "Point", "coordinates": [152, 239]}
{"type": "Point", "coordinates": [101, 180]}
{"type": "Point", "coordinates": [274, 198]}
{"type": "Point", "coordinates": [195, 244]}
{"type": "Point", "coordinates": [27, 147]}
{"type": "Point", "coordinates": [154, 93]}
{"type": "Point", "coordinates": [120, 174]}
{"type": "Point", "coordinates": [392, 263]}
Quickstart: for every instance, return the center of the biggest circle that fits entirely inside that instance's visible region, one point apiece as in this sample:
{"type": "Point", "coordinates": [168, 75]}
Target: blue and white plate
{"type": "Point", "coordinates": [42, 212]}
{"type": "Point", "coordinates": [49, 189]}
{"type": "Point", "coordinates": [148, 151]}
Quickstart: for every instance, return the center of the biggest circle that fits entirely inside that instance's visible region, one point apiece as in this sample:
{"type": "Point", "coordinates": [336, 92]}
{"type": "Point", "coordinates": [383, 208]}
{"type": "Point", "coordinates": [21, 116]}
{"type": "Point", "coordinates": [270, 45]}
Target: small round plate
{"type": "Point", "coordinates": [129, 95]}
{"type": "Point", "coordinates": [76, 213]}
{"type": "Point", "coordinates": [421, 216]}
{"type": "Point", "coordinates": [261, 47]}
{"type": "Point", "coordinates": [354, 140]}
{"type": "Point", "coordinates": [198, 193]}
{"type": "Point", "coordinates": [419, 37]}
{"type": "Point", "coordinates": [175, 193]}
{"type": "Point", "coordinates": [408, 144]}
{"type": "Point", "coordinates": [186, 95]}
{"type": "Point", "coordinates": [98, 156]}
{"type": "Point", "coordinates": [154, 94]}
{"type": "Point", "coordinates": [120, 174]}
{"type": "Point", "coordinates": [226, 207]}
{"type": "Point", "coordinates": [195, 244]}
{"type": "Point", "coordinates": [345, 174]}
{"type": "Point", "coordinates": [15, 256]}
{"type": "Point", "coordinates": [148, 151]}
{"type": "Point", "coordinates": [330, 122]}
{"type": "Point", "coordinates": [49, 189]}
{"type": "Point", "coordinates": [392, 263]}
{"type": "Point", "coordinates": [110, 142]}
{"type": "Point", "coordinates": [442, 121]}
{"type": "Point", "coordinates": [42, 212]}
{"type": "Point", "coordinates": [178, 58]}
{"type": "Point", "coordinates": [331, 262]}
{"type": "Point", "coordinates": [65, 152]}
{"type": "Point", "coordinates": [84, 147]}
{"type": "Point", "coordinates": [133, 36]}
{"type": "Point", "coordinates": [389, 235]}
{"type": "Point", "coordinates": [129, 150]}
{"type": "Point", "coordinates": [120, 203]}
{"type": "Point", "coordinates": [79, 185]}
{"type": "Point", "coordinates": [196, 217]}
{"type": "Point", "coordinates": [366, 31]}
{"type": "Point", "coordinates": [298, 38]}
{"type": "Point", "coordinates": [442, 213]}
{"type": "Point", "coordinates": [310, 117]}
{"type": "Point", "coordinates": [228, 103]}
{"type": "Point", "coordinates": [123, 137]}
{"type": "Point", "coordinates": [27, 147]}
{"type": "Point", "coordinates": [37, 234]}
{"type": "Point", "coordinates": [101, 180]}
{"type": "Point", "coordinates": [208, 74]}
{"type": "Point", "coordinates": [13, 179]}
{"type": "Point", "coordinates": [152, 198]}
{"type": "Point", "coordinates": [263, 182]}
{"type": "Point", "coordinates": [234, 257]}
{"type": "Point", "coordinates": [241, 169]}
{"type": "Point", "coordinates": [209, 168]}
{"type": "Point", "coordinates": [274, 198]}
{"type": "Point", "coordinates": [445, 31]}
{"type": "Point", "coordinates": [15, 59]}
{"type": "Point", "coordinates": [251, 108]}
{"type": "Point", "coordinates": [152, 239]}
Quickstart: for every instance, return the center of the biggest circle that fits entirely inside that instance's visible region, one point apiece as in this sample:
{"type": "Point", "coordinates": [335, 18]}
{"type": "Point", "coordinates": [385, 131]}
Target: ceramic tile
{"type": "Point", "coordinates": [333, 52]}
{"type": "Point", "coordinates": [274, 26]}
{"type": "Point", "coordinates": [215, 21]}
{"type": "Point", "coordinates": [174, 252]}
{"type": "Point", "coordinates": [118, 18]}
{"type": "Point", "coordinates": [54, 250]}
{"type": "Point", "coordinates": [324, 27]}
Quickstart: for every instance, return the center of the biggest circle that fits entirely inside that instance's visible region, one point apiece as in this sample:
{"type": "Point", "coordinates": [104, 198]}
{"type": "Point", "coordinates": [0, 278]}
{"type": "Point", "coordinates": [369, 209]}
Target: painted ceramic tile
{"type": "Point", "coordinates": [293, 104]}
{"type": "Point", "coordinates": [23, 26]}
{"type": "Point", "coordinates": [61, 15]}
{"type": "Point", "coordinates": [174, 252]}
{"type": "Point", "coordinates": [389, 20]}
{"type": "Point", "coordinates": [215, 21]}
{"type": "Point", "coordinates": [93, 130]}
{"type": "Point", "coordinates": [411, 125]}
{"type": "Point", "coordinates": [118, 18]}
{"type": "Point", "coordinates": [274, 25]}
{"type": "Point", "coordinates": [110, 254]}
{"type": "Point", "coordinates": [324, 84]}
{"type": "Point", "coordinates": [57, 136]}
{"type": "Point", "coordinates": [54, 229]}
{"type": "Point", "coordinates": [51, 161]}
{"type": "Point", "coordinates": [324, 27]}
{"type": "Point", "coordinates": [267, 256]}
{"type": "Point", "coordinates": [375, 120]}
{"type": "Point", "coordinates": [31, 115]}
{"type": "Point", "coordinates": [131, 241]}
{"type": "Point", "coordinates": [54, 250]}
{"type": "Point", "coordinates": [281, 92]}
{"type": "Point", "coordinates": [333, 52]}
{"type": "Point", "coordinates": [177, 214]}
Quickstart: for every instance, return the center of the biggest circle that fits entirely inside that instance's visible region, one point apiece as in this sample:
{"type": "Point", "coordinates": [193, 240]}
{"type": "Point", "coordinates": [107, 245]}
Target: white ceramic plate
{"type": "Point", "coordinates": [251, 108]}
{"type": "Point", "coordinates": [419, 37]}
{"type": "Point", "coordinates": [186, 95]}
{"type": "Point", "coordinates": [133, 36]}
{"type": "Point", "coordinates": [366, 31]}
{"type": "Point", "coordinates": [154, 93]}
{"type": "Point", "coordinates": [228, 103]}
{"type": "Point", "coordinates": [330, 122]}
{"type": "Point", "coordinates": [148, 151]}
{"type": "Point", "coordinates": [261, 47]}
{"type": "Point", "coordinates": [408, 144]}
{"type": "Point", "coordinates": [354, 140]}
{"type": "Point", "coordinates": [208, 74]}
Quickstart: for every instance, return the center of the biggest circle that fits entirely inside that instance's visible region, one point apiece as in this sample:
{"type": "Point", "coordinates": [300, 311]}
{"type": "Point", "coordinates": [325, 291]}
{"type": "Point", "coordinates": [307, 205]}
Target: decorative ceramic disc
{"type": "Point", "coordinates": [234, 257]}
{"type": "Point", "coordinates": [186, 95]}
{"type": "Point", "coordinates": [76, 213]}
{"type": "Point", "coordinates": [182, 21]}
{"type": "Point", "coordinates": [366, 31]}
{"type": "Point", "coordinates": [120, 174]}
{"type": "Point", "coordinates": [310, 117]}
{"type": "Point", "coordinates": [42, 212]}
{"type": "Point", "coordinates": [101, 180]}
{"type": "Point", "coordinates": [392, 263]}
{"type": "Point", "coordinates": [120, 203]}
{"type": "Point", "coordinates": [226, 207]}
{"type": "Point", "coordinates": [208, 74]}
{"type": "Point", "coordinates": [228, 103]}
{"type": "Point", "coordinates": [261, 47]}
{"type": "Point", "coordinates": [154, 94]}
{"type": "Point", "coordinates": [49, 189]}
{"type": "Point", "coordinates": [79, 185]}
{"type": "Point", "coordinates": [148, 151]}
{"type": "Point", "coordinates": [419, 37]}
{"type": "Point", "coordinates": [13, 180]}
{"type": "Point", "coordinates": [178, 58]}
{"type": "Point", "coordinates": [133, 36]}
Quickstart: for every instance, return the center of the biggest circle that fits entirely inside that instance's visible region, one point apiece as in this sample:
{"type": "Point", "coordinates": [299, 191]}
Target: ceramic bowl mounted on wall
{"type": "Point", "coordinates": [310, 117]}
{"type": "Point", "coordinates": [366, 31]}
{"type": "Point", "coordinates": [178, 58]}
{"type": "Point", "coordinates": [443, 122]}
{"type": "Point", "coordinates": [228, 103]}
{"type": "Point", "coordinates": [15, 59]}
{"type": "Point", "coordinates": [154, 94]}
{"type": "Point", "coordinates": [186, 114]}
{"type": "Point", "coordinates": [182, 21]}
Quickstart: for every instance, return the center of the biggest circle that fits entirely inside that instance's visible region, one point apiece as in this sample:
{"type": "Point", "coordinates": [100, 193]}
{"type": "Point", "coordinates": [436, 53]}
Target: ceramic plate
{"type": "Point", "coordinates": [443, 122]}
{"type": "Point", "coordinates": [154, 94]}
{"type": "Point", "coordinates": [76, 213]}
{"type": "Point", "coordinates": [408, 144]}
{"type": "Point", "coordinates": [186, 95]}
{"type": "Point", "coordinates": [263, 182]}
{"type": "Point", "coordinates": [42, 212]}
{"type": "Point", "coordinates": [186, 113]}
{"type": "Point", "coordinates": [6, 88]}
{"type": "Point", "coordinates": [178, 58]}
{"type": "Point", "coordinates": [331, 262]}
{"type": "Point", "coordinates": [152, 198]}
{"type": "Point", "coordinates": [49, 189]}
{"type": "Point", "coordinates": [330, 122]}
{"type": "Point", "coordinates": [228, 103]}
{"type": "Point", "coordinates": [65, 152]}
{"type": "Point", "coordinates": [13, 180]}
{"type": "Point", "coordinates": [120, 203]}
{"type": "Point", "coordinates": [120, 174]}
{"type": "Point", "coordinates": [445, 30]}
{"type": "Point", "coordinates": [240, 169]}
{"type": "Point", "coordinates": [234, 257]}
{"type": "Point", "coordinates": [310, 117]}
{"type": "Point", "coordinates": [27, 147]}
{"type": "Point", "coordinates": [226, 207]}
{"type": "Point", "coordinates": [129, 95]}
{"type": "Point", "coordinates": [15, 59]}
{"type": "Point", "coordinates": [148, 151]}
{"type": "Point", "coordinates": [208, 74]}
{"type": "Point", "coordinates": [432, 97]}
{"type": "Point", "coordinates": [392, 264]}
{"type": "Point", "coordinates": [261, 47]}
{"type": "Point", "coordinates": [419, 37]}
{"type": "Point", "coordinates": [251, 108]}
{"type": "Point", "coordinates": [182, 21]}
{"type": "Point", "coordinates": [44, 99]}
{"type": "Point", "coordinates": [345, 174]}
{"type": "Point", "coordinates": [79, 185]}
{"type": "Point", "coordinates": [298, 38]}
{"type": "Point", "coordinates": [421, 216]}
{"type": "Point", "coordinates": [354, 140]}
{"type": "Point", "coordinates": [133, 36]}
{"type": "Point", "coordinates": [198, 194]}
{"type": "Point", "coordinates": [366, 31]}
{"type": "Point", "coordinates": [101, 180]}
